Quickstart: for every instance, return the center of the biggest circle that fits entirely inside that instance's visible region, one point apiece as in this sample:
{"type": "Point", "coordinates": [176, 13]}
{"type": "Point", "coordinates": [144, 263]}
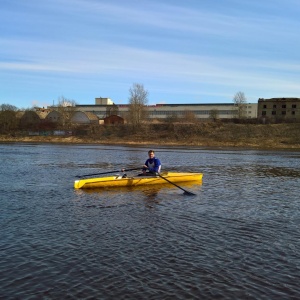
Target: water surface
{"type": "Point", "coordinates": [238, 238]}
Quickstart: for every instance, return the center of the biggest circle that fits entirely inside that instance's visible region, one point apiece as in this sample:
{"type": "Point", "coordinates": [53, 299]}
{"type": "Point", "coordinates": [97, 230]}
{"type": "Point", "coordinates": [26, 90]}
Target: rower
{"type": "Point", "coordinates": [152, 165]}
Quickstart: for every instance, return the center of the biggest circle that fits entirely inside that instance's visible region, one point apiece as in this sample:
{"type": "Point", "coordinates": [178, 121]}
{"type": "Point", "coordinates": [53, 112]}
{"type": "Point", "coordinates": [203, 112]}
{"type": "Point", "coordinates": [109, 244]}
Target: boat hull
{"type": "Point", "coordinates": [118, 181]}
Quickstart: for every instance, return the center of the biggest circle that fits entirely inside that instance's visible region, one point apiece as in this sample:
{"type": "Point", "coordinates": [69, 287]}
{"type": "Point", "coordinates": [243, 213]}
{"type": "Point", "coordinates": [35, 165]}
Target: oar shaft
{"type": "Point", "coordinates": [109, 172]}
{"type": "Point", "coordinates": [187, 192]}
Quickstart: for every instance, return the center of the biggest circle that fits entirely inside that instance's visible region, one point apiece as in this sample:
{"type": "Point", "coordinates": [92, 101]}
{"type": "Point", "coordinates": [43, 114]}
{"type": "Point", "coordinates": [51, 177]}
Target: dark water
{"type": "Point", "coordinates": [238, 238]}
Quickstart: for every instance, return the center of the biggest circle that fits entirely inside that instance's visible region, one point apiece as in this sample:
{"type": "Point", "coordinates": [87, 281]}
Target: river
{"type": "Point", "coordinates": [237, 238]}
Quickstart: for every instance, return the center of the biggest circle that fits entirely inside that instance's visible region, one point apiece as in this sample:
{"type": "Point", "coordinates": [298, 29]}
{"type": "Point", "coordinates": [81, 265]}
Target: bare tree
{"type": "Point", "coordinates": [8, 119]}
{"type": "Point", "coordinates": [240, 101]}
{"type": "Point", "coordinates": [5, 107]}
{"type": "Point", "coordinates": [214, 114]}
{"type": "Point", "coordinates": [138, 99]}
{"type": "Point", "coordinates": [66, 108]}
{"type": "Point", "coordinates": [173, 118]}
{"type": "Point", "coordinates": [112, 110]}
{"type": "Point", "coordinates": [189, 116]}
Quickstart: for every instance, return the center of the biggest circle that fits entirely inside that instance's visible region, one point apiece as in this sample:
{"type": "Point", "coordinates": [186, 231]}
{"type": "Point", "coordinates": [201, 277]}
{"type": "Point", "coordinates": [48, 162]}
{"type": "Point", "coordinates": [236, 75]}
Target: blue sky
{"type": "Point", "coordinates": [193, 51]}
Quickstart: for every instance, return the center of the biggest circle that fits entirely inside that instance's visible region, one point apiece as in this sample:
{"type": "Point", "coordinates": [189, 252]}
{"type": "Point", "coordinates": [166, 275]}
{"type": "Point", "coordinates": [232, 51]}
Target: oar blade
{"type": "Point", "coordinates": [187, 193]}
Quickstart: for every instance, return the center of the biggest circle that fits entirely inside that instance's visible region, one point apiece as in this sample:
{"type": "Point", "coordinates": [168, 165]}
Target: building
{"type": "Point", "coordinates": [47, 115]}
{"type": "Point", "coordinates": [103, 101]}
{"type": "Point", "coordinates": [113, 120]}
{"type": "Point", "coordinates": [164, 111]}
{"type": "Point", "coordinates": [28, 119]}
{"type": "Point", "coordinates": [279, 108]}
{"type": "Point", "coordinates": [84, 118]}
{"type": "Point", "coordinates": [200, 111]}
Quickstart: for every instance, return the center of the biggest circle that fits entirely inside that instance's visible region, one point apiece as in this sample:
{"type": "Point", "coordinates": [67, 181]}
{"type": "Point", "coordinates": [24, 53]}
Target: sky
{"type": "Point", "coordinates": [193, 51]}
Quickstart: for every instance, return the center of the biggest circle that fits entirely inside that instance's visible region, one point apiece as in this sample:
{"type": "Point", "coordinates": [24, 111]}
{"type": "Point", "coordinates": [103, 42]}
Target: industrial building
{"type": "Point", "coordinates": [104, 107]}
{"type": "Point", "coordinates": [279, 108]}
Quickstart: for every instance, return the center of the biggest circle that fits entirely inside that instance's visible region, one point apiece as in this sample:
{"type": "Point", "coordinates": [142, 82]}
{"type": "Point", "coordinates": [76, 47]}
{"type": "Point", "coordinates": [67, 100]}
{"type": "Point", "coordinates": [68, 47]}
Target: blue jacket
{"type": "Point", "coordinates": [153, 164]}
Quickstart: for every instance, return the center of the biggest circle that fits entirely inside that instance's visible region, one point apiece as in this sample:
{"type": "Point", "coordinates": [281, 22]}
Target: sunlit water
{"type": "Point", "coordinates": [238, 238]}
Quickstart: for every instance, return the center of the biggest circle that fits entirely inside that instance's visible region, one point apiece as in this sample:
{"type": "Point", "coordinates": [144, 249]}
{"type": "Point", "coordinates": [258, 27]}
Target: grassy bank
{"type": "Point", "coordinates": [206, 134]}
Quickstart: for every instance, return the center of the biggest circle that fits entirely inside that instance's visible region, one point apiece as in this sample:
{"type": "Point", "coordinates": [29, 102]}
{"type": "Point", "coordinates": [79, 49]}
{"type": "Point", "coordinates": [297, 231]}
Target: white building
{"type": "Point", "coordinates": [103, 107]}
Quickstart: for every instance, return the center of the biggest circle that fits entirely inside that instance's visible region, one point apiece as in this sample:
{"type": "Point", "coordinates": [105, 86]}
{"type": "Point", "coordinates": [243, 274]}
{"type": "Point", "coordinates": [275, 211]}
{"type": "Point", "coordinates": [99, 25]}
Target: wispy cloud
{"type": "Point", "coordinates": [208, 49]}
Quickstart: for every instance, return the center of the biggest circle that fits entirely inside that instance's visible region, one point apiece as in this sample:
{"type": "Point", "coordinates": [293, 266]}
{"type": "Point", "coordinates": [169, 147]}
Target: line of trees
{"type": "Point", "coordinates": [137, 112]}
{"type": "Point", "coordinates": [11, 118]}
{"type": "Point", "coordinates": [8, 118]}
{"type": "Point", "coordinates": [138, 99]}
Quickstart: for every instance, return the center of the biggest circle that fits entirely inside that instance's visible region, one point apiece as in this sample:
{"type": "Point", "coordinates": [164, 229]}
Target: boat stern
{"type": "Point", "coordinates": [77, 184]}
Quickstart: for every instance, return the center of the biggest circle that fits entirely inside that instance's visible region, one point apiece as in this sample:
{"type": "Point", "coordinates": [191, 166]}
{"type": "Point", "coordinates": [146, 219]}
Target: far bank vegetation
{"type": "Point", "coordinates": [174, 130]}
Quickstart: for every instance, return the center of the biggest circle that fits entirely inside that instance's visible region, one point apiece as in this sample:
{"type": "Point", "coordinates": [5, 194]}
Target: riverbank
{"type": "Point", "coordinates": [261, 136]}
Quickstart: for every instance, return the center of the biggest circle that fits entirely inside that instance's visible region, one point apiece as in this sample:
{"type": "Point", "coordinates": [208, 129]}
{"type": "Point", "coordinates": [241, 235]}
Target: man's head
{"type": "Point", "coordinates": [151, 153]}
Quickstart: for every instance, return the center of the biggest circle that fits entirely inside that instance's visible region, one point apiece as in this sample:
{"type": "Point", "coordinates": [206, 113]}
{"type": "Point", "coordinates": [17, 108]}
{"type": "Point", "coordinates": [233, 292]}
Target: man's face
{"type": "Point", "coordinates": [151, 155]}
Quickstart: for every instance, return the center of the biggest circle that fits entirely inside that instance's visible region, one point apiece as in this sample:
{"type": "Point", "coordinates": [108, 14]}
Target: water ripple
{"type": "Point", "coordinates": [238, 238]}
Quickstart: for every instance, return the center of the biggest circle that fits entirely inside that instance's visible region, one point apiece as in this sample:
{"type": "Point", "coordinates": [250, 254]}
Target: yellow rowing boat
{"type": "Point", "coordinates": [119, 181]}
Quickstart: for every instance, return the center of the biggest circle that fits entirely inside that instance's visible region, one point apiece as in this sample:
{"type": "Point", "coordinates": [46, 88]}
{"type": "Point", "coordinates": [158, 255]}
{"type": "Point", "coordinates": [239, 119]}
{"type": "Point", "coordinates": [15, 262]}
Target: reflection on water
{"type": "Point", "coordinates": [237, 238]}
{"type": "Point", "coordinates": [151, 194]}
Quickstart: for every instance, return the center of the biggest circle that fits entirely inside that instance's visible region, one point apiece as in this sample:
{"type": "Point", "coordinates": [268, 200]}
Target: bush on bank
{"type": "Point", "coordinates": [199, 134]}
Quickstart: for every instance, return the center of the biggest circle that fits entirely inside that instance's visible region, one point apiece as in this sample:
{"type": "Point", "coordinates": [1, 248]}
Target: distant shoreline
{"type": "Point", "coordinates": [285, 136]}
{"type": "Point", "coordinates": [125, 142]}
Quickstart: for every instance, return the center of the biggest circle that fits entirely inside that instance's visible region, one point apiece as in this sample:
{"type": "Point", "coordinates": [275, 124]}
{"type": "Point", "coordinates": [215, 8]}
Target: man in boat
{"type": "Point", "coordinates": [152, 164]}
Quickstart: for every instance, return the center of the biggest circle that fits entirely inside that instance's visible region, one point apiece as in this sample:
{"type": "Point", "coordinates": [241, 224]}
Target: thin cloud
{"type": "Point", "coordinates": [202, 50]}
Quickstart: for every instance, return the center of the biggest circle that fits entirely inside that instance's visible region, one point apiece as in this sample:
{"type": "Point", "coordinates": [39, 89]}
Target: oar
{"type": "Point", "coordinates": [185, 191]}
{"type": "Point", "coordinates": [123, 170]}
